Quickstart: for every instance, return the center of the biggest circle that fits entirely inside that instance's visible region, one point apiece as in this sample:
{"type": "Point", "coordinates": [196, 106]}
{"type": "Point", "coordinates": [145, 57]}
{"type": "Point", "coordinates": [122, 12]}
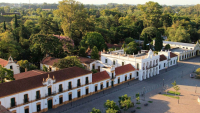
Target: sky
{"type": "Point", "coordinates": [161, 2]}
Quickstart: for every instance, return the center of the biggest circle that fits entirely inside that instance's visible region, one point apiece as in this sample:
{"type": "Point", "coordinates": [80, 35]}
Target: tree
{"type": "Point", "coordinates": [5, 73]}
{"type": "Point", "coordinates": [111, 105]}
{"type": "Point", "coordinates": [67, 62]}
{"type": "Point", "coordinates": [109, 110]}
{"type": "Point", "coordinates": [26, 66]}
{"type": "Point", "coordinates": [95, 53]}
{"type": "Point", "coordinates": [150, 32]}
{"type": "Point", "coordinates": [92, 39]}
{"type": "Point", "coordinates": [16, 23]}
{"type": "Point", "coordinates": [128, 40]}
{"type": "Point", "coordinates": [167, 47]}
{"type": "Point", "coordinates": [145, 47]}
{"type": "Point", "coordinates": [45, 69]}
{"type": "Point", "coordinates": [151, 14]}
{"type": "Point", "coordinates": [94, 110]}
{"type": "Point", "coordinates": [4, 26]}
{"type": "Point", "coordinates": [132, 48]}
{"type": "Point", "coordinates": [176, 88]}
{"type": "Point", "coordinates": [158, 42]}
{"type": "Point", "coordinates": [137, 97]}
{"type": "Point", "coordinates": [125, 102]}
{"type": "Point", "coordinates": [82, 52]}
{"type": "Point", "coordinates": [74, 20]}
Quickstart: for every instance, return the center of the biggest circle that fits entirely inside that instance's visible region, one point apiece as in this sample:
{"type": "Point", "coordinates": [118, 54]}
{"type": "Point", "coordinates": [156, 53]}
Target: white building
{"type": "Point", "coordinates": [10, 64]}
{"type": "Point", "coordinates": [38, 93]}
{"type": "Point", "coordinates": [146, 64]}
{"type": "Point", "coordinates": [183, 50]}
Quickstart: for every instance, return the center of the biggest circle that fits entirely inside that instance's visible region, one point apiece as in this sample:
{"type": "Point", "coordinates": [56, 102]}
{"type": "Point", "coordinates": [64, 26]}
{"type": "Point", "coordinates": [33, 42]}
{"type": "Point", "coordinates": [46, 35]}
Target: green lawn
{"type": "Point", "coordinates": [173, 92]}
{"type": "Point", "coordinates": [176, 97]}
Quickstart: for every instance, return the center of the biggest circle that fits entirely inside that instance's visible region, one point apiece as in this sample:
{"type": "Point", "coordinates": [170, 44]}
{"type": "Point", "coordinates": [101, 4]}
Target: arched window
{"type": "Point", "coordinates": [11, 67]}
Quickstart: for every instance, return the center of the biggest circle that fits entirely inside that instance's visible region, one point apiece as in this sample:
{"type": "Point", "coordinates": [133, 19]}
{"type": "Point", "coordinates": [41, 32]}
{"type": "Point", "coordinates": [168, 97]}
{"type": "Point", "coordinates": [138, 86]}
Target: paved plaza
{"type": "Point", "coordinates": [161, 104]}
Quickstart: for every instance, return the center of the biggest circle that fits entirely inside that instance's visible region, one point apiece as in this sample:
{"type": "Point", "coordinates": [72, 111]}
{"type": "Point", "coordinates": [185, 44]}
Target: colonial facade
{"type": "Point", "coordinates": [38, 93]}
{"type": "Point", "coordinates": [183, 50]}
{"type": "Point", "coordinates": [10, 64]}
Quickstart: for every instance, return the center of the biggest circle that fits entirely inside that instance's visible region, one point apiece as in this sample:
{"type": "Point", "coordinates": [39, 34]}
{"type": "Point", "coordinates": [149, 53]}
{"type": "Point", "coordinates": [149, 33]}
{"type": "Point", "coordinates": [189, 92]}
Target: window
{"type": "Point", "coordinates": [37, 94]}
{"type": "Point", "coordinates": [122, 63]}
{"type": "Point", "coordinates": [113, 62]}
{"type": "Point", "coordinates": [60, 100]}
{"type": "Point", "coordinates": [50, 69]}
{"type": "Point", "coordinates": [101, 86]}
{"type": "Point", "coordinates": [125, 78]}
{"type": "Point", "coordinates": [118, 80]}
{"type": "Point", "coordinates": [25, 98]}
{"type": "Point", "coordinates": [137, 65]}
{"type": "Point", "coordinates": [137, 74]}
{"type": "Point", "coordinates": [79, 94]}
{"type": "Point", "coordinates": [164, 64]}
{"type": "Point", "coordinates": [106, 60]}
{"type": "Point", "coordinates": [70, 97]}
{"type": "Point", "coordinates": [95, 88]}
{"type": "Point", "coordinates": [130, 76]}
{"type": "Point", "coordinates": [112, 75]}
{"type": "Point", "coordinates": [93, 66]}
{"type": "Point", "coordinates": [171, 62]}
{"type": "Point", "coordinates": [60, 88]}
{"type": "Point", "coordinates": [86, 80]}
{"type": "Point", "coordinates": [13, 102]}
{"type": "Point", "coordinates": [107, 84]}
{"type": "Point", "coordinates": [78, 83]}
{"type": "Point", "coordinates": [86, 91]}
{"type": "Point", "coordinates": [26, 110]}
{"type": "Point", "coordinates": [49, 91]}
{"type": "Point", "coordinates": [69, 85]}
{"type": "Point", "coordinates": [11, 67]}
{"type": "Point", "coordinates": [38, 108]}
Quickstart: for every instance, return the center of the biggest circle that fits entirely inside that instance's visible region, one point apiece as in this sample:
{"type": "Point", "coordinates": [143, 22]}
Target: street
{"type": "Point", "coordinates": [178, 72]}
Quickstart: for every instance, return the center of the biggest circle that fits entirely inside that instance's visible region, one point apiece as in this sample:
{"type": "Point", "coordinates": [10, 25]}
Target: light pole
{"type": "Point", "coordinates": [163, 82]}
{"type": "Point", "coordinates": [144, 93]}
{"type": "Point", "coordinates": [196, 89]}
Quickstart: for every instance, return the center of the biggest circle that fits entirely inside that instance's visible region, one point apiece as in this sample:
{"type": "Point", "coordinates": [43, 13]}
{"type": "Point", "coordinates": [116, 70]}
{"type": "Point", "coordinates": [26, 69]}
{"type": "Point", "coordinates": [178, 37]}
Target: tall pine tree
{"type": "Point", "coordinates": [145, 47]}
{"type": "Point", "coordinates": [158, 42]}
{"type": "Point", "coordinates": [16, 23]}
{"type": "Point", "coordinates": [4, 25]}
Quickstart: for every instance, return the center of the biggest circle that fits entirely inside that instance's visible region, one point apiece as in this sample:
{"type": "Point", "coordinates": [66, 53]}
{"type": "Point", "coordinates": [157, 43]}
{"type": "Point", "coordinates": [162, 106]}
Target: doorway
{"type": "Point", "coordinates": [50, 104]}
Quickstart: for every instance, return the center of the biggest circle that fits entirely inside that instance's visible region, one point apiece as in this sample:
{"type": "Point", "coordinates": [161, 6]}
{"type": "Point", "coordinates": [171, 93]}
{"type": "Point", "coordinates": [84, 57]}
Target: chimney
{"type": "Point", "coordinates": [25, 69]}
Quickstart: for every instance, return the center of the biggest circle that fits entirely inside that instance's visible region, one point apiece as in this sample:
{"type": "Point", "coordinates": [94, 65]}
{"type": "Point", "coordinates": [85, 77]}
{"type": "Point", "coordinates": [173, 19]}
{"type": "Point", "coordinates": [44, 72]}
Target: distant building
{"type": "Point", "coordinates": [10, 64]}
{"type": "Point", "coordinates": [17, 13]}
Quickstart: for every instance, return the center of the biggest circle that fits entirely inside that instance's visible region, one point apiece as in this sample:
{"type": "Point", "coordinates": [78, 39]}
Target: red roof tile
{"type": "Point", "coordinates": [163, 57]}
{"type": "Point", "coordinates": [28, 74]}
{"type": "Point", "coordinates": [172, 55]}
{"type": "Point", "coordinates": [49, 60]}
{"type": "Point", "coordinates": [96, 77]}
{"type": "Point", "coordinates": [124, 69]}
{"type": "Point", "coordinates": [3, 62]}
{"type": "Point", "coordinates": [21, 85]}
{"type": "Point", "coordinates": [86, 60]}
{"type": "Point", "coordinates": [113, 45]}
{"type": "Point", "coordinates": [4, 110]}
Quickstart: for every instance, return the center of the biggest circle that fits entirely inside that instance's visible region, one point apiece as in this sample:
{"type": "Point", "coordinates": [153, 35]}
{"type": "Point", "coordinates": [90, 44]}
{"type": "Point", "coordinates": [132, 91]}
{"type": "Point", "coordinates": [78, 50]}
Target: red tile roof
{"type": "Point", "coordinates": [86, 60]}
{"type": "Point", "coordinates": [28, 74]}
{"type": "Point", "coordinates": [172, 55]}
{"type": "Point", "coordinates": [4, 110]}
{"type": "Point", "coordinates": [96, 77]}
{"type": "Point", "coordinates": [124, 69]}
{"type": "Point", "coordinates": [49, 60]}
{"type": "Point", "coordinates": [113, 45]}
{"type": "Point", "coordinates": [21, 85]}
{"type": "Point", "coordinates": [163, 57]}
{"type": "Point", "coordinates": [3, 62]}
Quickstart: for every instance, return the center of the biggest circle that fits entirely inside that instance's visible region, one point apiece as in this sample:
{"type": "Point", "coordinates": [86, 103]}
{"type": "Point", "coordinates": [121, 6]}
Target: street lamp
{"type": "Point", "coordinates": [144, 93]}
{"type": "Point", "coordinates": [163, 82]}
{"type": "Point", "coordinates": [196, 89]}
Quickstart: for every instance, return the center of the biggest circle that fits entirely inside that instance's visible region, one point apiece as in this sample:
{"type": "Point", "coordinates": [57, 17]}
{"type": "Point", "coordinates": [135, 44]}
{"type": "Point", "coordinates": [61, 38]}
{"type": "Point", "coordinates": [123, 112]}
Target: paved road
{"type": "Point", "coordinates": [183, 69]}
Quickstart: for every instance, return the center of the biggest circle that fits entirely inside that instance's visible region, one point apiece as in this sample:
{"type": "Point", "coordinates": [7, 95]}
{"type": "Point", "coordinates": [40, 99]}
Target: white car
{"type": "Point", "coordinates": [191, 76]}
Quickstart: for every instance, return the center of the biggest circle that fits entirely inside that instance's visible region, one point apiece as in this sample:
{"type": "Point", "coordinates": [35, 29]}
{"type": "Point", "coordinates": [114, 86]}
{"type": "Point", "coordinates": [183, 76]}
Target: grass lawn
{"type": "Point", "coordinates": [138, 108]}
{"type": "Point", "coordinates": [150, 101]}
{"type": "Point", "coordinates": [171, 96]}
{"type": "Point", "coordinates": [173, 92]}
